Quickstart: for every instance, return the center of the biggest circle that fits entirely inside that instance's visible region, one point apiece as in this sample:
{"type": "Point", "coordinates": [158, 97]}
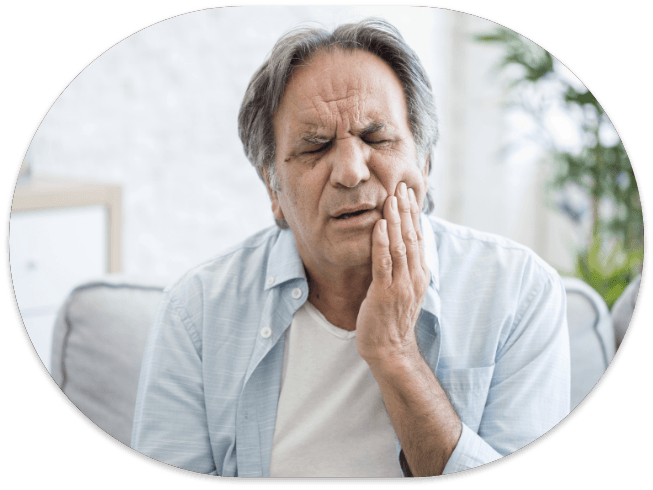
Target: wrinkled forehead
{"type": "Point", "coordinates": [337, 73]}
{"type": "Point", "coordinates": [341, 88]}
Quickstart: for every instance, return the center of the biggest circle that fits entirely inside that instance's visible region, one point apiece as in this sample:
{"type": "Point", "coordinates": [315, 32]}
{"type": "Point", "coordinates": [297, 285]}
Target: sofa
{"type": "Point", "coordinates": [102, 327]}
{"type": "Point", "coordinates": [97, 346]}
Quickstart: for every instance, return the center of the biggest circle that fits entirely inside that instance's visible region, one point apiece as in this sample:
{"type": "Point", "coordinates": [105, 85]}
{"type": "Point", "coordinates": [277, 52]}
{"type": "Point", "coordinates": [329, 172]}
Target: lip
{"type": "Point", "coordinates": [352, 209]}
{"type": "Point", "coordinates": [363, 220]}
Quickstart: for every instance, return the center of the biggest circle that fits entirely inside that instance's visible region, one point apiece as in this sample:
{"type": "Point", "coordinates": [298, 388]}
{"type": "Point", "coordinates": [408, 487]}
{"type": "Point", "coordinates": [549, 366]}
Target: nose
{"type": "Point", "coordinates": [348, 164]}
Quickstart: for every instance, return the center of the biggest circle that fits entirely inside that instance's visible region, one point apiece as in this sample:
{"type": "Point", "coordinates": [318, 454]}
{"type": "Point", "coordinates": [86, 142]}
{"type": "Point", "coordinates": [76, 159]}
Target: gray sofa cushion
{"type": "Point", "coordinates": [622, 310]}
{"type": "Point", "coordinates": [591, 338]}
{"type": "Point", "coordinates": [98, 344]}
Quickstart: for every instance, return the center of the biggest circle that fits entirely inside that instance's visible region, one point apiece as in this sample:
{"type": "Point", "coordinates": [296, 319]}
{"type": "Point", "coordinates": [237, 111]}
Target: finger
{"type": "Point", "coordinates": [397, 245]}
{"type": "Point", "coordinates": [415, 212]}
{"type": "Point", "coordinates": [408, 232]}
{"type": "Point", "coordinates": [381, 258]}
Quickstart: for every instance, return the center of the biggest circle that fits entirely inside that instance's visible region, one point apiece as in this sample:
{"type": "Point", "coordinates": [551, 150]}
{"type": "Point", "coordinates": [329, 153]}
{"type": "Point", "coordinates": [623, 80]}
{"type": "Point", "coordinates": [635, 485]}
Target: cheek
{"type": "Point", "coordinates": [306, 189]}
{"type": "Point", "coordinates": [400, 171]}
{"type": "Point", "coordinates": [293, 203]}
{"type": "Point", "coordinates": [286, 203]}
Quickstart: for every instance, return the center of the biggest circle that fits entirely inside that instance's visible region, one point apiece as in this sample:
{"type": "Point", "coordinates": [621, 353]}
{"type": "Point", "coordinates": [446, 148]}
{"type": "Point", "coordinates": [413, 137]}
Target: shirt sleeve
{"type": "Point", "coordinates": [530, 389]}
{"type": "Point", "coordinates": [170, 423]}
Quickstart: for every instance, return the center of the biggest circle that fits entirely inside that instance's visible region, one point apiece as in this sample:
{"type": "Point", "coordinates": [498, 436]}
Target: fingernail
{"type": "Point", "coordinates": [384, 226]}
{"type": "Point", "coordinates": [402, 189]}
{"type": "Point", "coordinates": [393, 203]}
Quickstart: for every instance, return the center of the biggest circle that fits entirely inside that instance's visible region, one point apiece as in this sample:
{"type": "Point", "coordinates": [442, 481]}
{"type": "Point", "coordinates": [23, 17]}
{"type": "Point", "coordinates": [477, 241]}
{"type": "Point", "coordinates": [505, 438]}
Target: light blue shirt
{"type": "Point", "coordinates": [492, 327]}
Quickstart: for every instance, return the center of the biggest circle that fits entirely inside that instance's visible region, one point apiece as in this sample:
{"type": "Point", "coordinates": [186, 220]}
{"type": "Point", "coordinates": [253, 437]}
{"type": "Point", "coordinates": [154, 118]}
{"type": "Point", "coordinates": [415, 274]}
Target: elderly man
{"type": "Point", "coordinates": [359, 337]}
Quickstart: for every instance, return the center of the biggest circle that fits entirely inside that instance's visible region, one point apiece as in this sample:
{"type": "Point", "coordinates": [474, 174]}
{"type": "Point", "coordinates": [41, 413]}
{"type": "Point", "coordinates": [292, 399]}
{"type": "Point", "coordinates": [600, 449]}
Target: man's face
{"type": "Point", "coordinates": [343, 143]}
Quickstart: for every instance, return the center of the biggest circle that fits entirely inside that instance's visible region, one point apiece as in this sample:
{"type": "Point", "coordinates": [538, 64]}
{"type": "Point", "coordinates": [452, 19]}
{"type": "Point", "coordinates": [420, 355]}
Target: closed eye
{"type": "Point", "coordinates": [320, 149]}
{"type": "Point", "coordinates": [375, 142]}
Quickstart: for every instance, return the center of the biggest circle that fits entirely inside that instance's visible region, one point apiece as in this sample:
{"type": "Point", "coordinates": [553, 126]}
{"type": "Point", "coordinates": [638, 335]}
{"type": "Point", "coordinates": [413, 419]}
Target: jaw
{"type": "Point", "coordinates": [350, 248]}
{"type": "Point", "coordinates": [339, 252]}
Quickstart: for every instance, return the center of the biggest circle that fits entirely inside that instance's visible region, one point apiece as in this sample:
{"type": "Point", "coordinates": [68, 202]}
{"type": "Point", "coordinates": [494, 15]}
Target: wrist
{"type": "Point", "coordinates": [395, 362]}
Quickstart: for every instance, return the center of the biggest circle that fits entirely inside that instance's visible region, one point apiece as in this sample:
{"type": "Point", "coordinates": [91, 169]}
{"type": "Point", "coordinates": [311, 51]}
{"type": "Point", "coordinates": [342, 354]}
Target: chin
{"type": "Point", "coordinates": [353, 255]}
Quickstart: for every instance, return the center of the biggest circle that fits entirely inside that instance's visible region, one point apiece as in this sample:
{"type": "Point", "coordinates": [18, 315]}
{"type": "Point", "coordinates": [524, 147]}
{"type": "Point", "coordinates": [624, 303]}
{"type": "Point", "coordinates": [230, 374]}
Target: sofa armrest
{"type": "Point", "coordinates": [98, 343]}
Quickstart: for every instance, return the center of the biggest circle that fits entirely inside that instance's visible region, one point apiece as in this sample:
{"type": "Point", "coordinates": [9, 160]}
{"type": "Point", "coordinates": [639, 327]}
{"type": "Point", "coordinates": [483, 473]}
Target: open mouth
{"type": "Point", "coordinates": [351, 215]}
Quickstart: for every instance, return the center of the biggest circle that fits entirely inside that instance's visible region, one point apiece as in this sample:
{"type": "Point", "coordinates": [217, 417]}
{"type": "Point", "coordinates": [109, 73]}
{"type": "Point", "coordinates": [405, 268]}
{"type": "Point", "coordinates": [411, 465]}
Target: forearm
{"type": "Point", "coordinates": [425, 422]}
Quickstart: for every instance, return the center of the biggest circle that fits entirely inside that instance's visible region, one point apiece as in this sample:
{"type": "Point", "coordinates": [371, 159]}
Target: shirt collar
{"type": "Point", "coordinates": [284, 262]}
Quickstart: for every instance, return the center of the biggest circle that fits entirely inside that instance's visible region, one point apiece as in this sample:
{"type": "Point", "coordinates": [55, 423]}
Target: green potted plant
{"type": "Point", "coordinates": [599, 170]}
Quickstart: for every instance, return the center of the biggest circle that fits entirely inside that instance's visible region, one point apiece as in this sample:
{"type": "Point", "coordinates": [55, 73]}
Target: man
{"type": "Point", "coordinates": [359, 337]}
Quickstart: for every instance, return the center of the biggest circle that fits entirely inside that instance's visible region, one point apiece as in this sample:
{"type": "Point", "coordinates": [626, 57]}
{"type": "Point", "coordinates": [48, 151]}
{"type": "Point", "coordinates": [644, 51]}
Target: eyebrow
{"type": "Point", "coordinates": [372, 128]}
{"type": "Point", "coordinates": [316, 140]}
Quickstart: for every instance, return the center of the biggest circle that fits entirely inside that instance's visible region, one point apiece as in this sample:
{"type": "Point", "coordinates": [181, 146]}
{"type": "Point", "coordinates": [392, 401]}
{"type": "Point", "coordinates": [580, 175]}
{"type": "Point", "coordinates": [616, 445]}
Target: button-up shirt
{"type": "Point", "coordinates": [492, 328]}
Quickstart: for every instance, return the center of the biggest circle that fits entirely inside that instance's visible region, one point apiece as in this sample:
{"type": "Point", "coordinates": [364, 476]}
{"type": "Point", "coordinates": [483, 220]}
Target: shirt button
{"type": "Point", "coordinates": [296, 293]}
{"type": "Point", "coordinates": [270, 281]}
{"type": "Point", "coordinates": [266, 332]}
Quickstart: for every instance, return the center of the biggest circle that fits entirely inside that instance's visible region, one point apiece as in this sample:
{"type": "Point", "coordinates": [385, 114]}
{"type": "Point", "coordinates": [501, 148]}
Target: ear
{"type": "Point", "coordinates": [274, 198]}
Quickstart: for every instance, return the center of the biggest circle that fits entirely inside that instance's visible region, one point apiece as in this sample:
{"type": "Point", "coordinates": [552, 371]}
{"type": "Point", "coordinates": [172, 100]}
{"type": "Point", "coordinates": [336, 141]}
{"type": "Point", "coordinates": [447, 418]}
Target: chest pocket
{"type": "Point", "coordinates": [467, 390]}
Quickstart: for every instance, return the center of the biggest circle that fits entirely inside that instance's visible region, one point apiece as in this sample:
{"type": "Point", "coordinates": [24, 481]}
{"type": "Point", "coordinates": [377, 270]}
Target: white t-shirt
{"type": "Point", "coordinates": [331, 420]}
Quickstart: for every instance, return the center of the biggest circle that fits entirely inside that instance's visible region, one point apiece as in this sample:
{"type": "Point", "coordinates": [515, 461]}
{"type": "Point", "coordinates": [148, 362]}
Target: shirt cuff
{"type": "Point", "coordinates": [471, 451]}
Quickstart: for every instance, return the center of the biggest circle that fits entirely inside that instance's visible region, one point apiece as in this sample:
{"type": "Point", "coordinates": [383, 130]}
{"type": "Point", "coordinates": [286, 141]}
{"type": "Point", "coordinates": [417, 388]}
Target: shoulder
{"type": "Point", "coordinates": [491, 272]}
{"type": "Point", "coordinates": [222, 279]}
{"type": "Point", "coordinates": [475, 252]}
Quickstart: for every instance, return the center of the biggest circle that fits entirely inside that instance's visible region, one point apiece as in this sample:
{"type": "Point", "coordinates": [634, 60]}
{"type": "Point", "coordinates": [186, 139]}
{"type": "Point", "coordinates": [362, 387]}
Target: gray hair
{"type": "Point", "coordinates": [296, 47]}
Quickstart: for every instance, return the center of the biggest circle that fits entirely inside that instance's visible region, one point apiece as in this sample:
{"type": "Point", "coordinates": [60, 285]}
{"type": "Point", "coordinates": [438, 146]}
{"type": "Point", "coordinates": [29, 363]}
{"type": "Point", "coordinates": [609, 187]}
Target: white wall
{"type": "Point", "coordinates": [157, 114]}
